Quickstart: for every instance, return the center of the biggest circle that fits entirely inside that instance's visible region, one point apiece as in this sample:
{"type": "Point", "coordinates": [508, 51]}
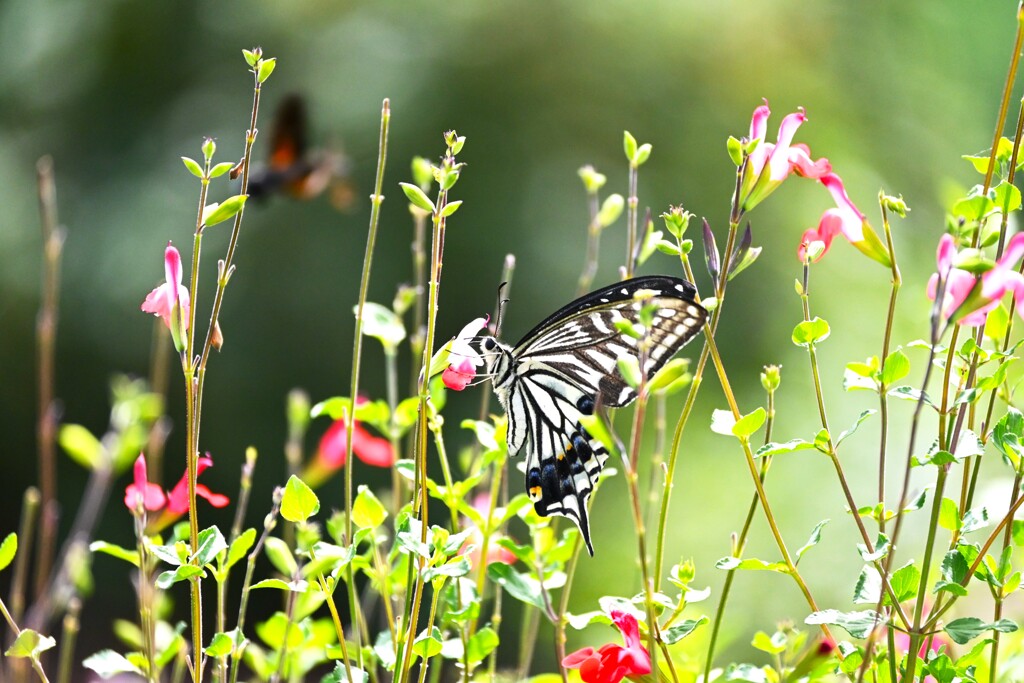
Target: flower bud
{"type": "Point", "coordinates": [771, 377]}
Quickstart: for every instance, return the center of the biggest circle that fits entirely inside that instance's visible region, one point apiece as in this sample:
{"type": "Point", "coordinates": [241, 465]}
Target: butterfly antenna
{"type": "Point", "coordinates": [500, 308]}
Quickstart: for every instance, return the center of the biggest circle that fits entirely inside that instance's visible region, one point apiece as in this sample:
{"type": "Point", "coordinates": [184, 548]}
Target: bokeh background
{"type": "Point", "coordinates": [117, 91]}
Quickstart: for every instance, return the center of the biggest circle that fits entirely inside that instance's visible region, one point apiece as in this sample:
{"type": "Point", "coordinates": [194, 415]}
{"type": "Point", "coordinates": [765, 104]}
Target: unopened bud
{"type": "Point", "coordinates": [710, 251]}
{"type": "Point", "coordinates": [592, 180]}
{"type": "Point", "coordinates": [217, 340]}
{"type": "Point", "coordinates": [771, 377]}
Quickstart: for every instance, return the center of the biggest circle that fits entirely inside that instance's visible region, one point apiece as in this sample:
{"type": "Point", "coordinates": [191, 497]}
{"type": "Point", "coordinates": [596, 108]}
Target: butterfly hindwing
{"type": "Point", "coordinates": [567, 365]}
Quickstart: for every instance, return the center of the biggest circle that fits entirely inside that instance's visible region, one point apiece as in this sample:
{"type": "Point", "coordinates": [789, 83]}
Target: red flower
{"type": "Point", "coordinates": [172, 505]}
{"type": "Point", "coordinates": [330, 456]}
{"type": "Point", "coordinates": [463, 358]}
{"type": "Point", "coordinates": [177, 498]}
{"type": "Point", "coordinates": [141, 494]}
{"type": "Point", "coordinates": [613, 662]}
{"type": "Point", "coordinates": [170, 300]}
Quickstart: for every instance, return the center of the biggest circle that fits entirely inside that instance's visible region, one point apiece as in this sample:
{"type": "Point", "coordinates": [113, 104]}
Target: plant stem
{"type": "Point", "coordinates": [46, 343]}
{"type": "Point", "coordinates": [69, 636]}
{"type": "Point", "coordinates": [357, 347]}
{"type": "Point", "coordinates": [34, 658]}
{"type": "Point", "coordinates": [26, 530]}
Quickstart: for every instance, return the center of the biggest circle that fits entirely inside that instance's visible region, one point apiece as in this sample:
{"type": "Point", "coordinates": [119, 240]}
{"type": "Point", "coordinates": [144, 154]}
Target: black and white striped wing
{"type": "Point", "coordinates": [568, 364]}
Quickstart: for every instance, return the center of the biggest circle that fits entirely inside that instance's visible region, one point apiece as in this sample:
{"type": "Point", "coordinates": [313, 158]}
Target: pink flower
{"type": "Point", "coordinates": [463, 358]}
{"type": "Point", "coordinates": [845, 219]}
{"type": "Point", "coordinates": [170, 300]}
{"type": "Point", "coordinates": [967, 299]}
{"type": "Point", "coordinates": [613, 662]}
{"type": "Point", "coordinates": [172, 505]}
{"type": "Point", "coordinates": [141, 494]}
{"type": "Point", "coordinates": [177, 498]}
{"type": "Point", "coordinates": [373, 450]}
{"type": "Point", "coordinates": [769, 164]}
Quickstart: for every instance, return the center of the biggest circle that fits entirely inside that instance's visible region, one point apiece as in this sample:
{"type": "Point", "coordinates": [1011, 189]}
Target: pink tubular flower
{"type": "Point", "coordinates": [463, 358]}
{"type": "Point", "coordinates": [170, 300]}
{"type": "Point", "coordinates": [769, 164]}
{"type": "Point", "coordinates": [613, 662]}
{"type": "Point", "coordinates": [141, 494]}
{"type": "Point", "coordinates": [968, 299]}
{"type": "Point", "coordinates": [845, 219]}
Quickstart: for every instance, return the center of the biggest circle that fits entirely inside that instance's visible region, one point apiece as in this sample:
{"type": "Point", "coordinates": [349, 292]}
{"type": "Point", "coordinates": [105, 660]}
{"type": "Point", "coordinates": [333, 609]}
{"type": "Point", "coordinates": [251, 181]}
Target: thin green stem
{"type": "Point", "coordinates": [357, 347]}
{"type": "Point", "coordinates": [69, 636]}
{"type": "Point", "coordinates": [586, 278]}
{"type": "Point", "coordinates": [34, 658]}
{"type": "Point", "coordinates": [632, 203]}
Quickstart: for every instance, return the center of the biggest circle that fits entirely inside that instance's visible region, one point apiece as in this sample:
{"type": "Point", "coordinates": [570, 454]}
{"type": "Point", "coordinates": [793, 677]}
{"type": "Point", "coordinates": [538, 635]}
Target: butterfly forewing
{"type": "Point", "coordinates": [568, 364]}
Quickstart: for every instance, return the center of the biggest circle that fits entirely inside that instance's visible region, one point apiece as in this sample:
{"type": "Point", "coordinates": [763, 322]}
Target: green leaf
{"type": "Point", "coordinates": [857, 624]}
{"type": "Point", "coordinates": [340, 673]}
{"type": "Point", "coordinates": [909, 393]}
{"type": "Point", "coordinates": [1007, 197]}
{"type": "Point", "coordinates": [821, 441]}
{"type": "Point", "coordinates": [275, 630]}
{"type": "Point", "coordinates": [974, 519]}
{"type": "Point", "coordinates": [107, 664]}
{"type": "Point", "coordinates": [611, 209]}
{"type": "Point", "coordinates": [965, 629]}
{"type": "Point", "coordinates": [731, 563]}
{"type": "Point", "coordinates": [772, 448]}
{"type": "Point", "coordinates": [996, 323]}
{"type": "Point", "coordinates": [265, 68]}
{"type": "Point", "coordinates": [904, 582]}
{"type": "Point", "coordinates": [522, 587]}
{"type": "Point", "coordinates": [683, 628]}
{"type": "Point", "coordinates": [80, 444]}
{"type": "Point", "coordinates": [30, 643]}
{"type": "Point", "coordinates": [868, 587]}
{"type": "Point", "coordinates": [131, 556]}
{"type": "Point", "coordinates": [227, 209]}
{"type": "Point", "coordinates": [1007, 437]}
{"type": "Point", "coordinates": [450, 208]}
{"type": "Point", "coordinates": [629, 145]}
{"type": "Point", "coordinates": [428, 645]}
{"type": "Point", "coordinates": [211, 542]}
{"type": "Point", "coordinates": [239, 547]}
{"type": "Point", "coordinates": [813, 540]}
{"type": "Point", "coordinates": [193, 167]}
{"type": "Point", "coordinates": [220, 169]}
{"type": "Point", "coordinates": [382, 324]}
{"type": "Point", "coordinates": [856, 425]}
{"type": "Point", "coordinates": [299, 503]}
{"type": "Point", "coordinates": [881, 549]}
{"type": "Point", "coordinates": [481, 645]}
{"type": "Point", "coordinates": [897, 366]}
{"type": "Point", "coordinates": [8, 549]}
{"type": "Point", "coordinates": [418, 197]}
{"type": "Point", "coordinates": [629, 368]}
{"type": "Point", "coordinates": [223, 644]}
{"type": "Point", "coordinates": [280, 555]}
{"type": "Point", "coordinates": [810, 332]}
{"type": "Point", "coordinates": [297, 586]}
{"type": "Point", "coordinates": [949, 515]}
{"type": "Point", "coordinates": [179, 574]}
{"type": "Point", "coordinates": [748, 424]}
{"type": "Point", "coordinates": [367, 510]}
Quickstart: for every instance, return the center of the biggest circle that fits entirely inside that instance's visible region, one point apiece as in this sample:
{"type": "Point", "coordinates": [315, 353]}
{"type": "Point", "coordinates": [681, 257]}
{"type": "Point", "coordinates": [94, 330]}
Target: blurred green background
{"type": "Point", "coordinates": [117, 91]}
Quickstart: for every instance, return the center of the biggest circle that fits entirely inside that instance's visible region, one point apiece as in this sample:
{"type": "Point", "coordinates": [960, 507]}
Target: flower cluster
{"type": "Point", "coordinates": [612, 662]}
{"type": "Point", "coordinates": [968, 298]}
{"type": "Point", "coordinates": [768, 164]}
{"type": "Point", "coordinates": [142, 495]}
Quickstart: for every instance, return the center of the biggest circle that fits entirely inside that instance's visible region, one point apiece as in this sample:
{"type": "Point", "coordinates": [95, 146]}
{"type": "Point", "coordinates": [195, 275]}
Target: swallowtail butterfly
{"type": "Point", "coordinates": [566, 366]}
